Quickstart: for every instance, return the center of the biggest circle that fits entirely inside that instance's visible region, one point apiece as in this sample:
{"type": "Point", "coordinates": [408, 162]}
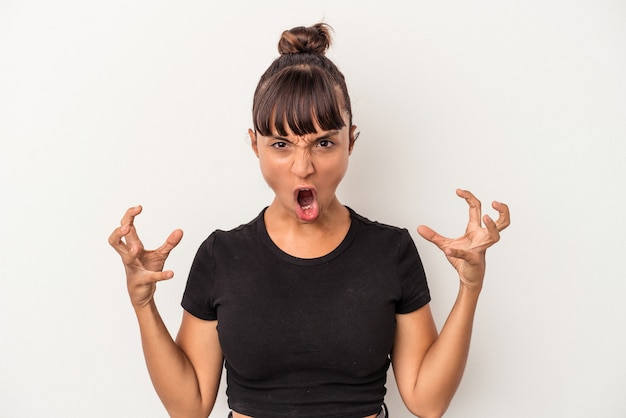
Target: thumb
{"type": "Point", "coordinates": [161, 275]}
{"type": "Point", "coordinates": [172, 241]}
{"type": "Point", "coordinates": [156, 276]}
{"type": "Point", "coordinates": [430, 235]}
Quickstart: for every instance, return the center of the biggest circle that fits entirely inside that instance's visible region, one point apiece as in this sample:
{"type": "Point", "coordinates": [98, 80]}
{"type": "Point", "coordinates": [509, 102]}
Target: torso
{"type": "Point", "coordinates": [237, 415]}
{"type": "Point", "coordinates": [331, 317]}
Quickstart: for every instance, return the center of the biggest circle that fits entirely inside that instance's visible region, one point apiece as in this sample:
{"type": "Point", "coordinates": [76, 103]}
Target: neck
{"type": "Point", "coordinates": [308, 239]}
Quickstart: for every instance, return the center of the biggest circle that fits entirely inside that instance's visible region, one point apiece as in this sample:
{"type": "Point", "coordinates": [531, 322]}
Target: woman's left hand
{"type": "Point", "coordinates": [467, 253]}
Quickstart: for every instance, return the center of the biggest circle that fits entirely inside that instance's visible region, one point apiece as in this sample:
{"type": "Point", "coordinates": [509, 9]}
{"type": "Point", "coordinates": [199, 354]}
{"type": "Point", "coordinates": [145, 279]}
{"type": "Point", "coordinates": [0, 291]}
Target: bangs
{"type": "Point", "coordinates": [300, 100]}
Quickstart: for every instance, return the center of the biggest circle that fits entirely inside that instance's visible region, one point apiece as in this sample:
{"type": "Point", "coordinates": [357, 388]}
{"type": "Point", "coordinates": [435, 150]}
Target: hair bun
{"type": "Point", "coordinates": [314, 39]}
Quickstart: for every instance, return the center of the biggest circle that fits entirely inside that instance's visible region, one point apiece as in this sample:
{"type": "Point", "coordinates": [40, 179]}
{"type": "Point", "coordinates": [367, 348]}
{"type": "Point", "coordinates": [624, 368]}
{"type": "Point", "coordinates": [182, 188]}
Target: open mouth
{"type": "Point", "coordinates": [305, 198]}
{"type": "Point", "coordinates": [307, 207]}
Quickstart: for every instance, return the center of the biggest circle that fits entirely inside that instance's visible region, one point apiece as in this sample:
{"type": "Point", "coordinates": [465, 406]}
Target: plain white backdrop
{"type": "Point", "coordinates": [105, 105]}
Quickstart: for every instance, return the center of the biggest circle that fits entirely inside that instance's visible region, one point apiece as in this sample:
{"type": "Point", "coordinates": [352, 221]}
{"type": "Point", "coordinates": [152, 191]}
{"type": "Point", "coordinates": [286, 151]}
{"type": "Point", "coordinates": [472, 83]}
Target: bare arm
{"type": "Point", "coordinates": [429, 367]}
{"type": "Point", "coordinates": [185, 372]}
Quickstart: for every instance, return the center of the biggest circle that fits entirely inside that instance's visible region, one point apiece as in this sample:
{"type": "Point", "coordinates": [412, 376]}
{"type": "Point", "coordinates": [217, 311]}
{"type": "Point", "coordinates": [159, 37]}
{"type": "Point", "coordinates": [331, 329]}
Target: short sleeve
{"type": "Point", "coordinates": [198, 296]}
{"type": "Point", "coordinates": [411, 276]}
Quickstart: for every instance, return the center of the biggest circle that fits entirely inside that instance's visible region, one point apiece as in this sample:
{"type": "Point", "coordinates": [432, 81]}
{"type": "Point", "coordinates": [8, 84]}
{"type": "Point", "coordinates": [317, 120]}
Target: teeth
{"type": "Point", "coordinates": [307, 207]}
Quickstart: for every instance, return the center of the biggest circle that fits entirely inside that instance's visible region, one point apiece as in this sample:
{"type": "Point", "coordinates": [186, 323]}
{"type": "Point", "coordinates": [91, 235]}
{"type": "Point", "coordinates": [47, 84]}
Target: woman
{"type": "Point", "coordinates": [309, 303]}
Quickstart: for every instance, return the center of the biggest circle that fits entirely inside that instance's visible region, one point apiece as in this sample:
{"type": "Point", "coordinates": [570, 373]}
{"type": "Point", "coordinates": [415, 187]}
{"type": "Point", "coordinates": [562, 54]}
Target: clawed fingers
{"type": "Point", "coordinates": [492, 229]}
{"type": "Point", "coordinates": [504, 217]}
{"type": "Point", "coordinates": [124, 238]}
{"type": "Point", "coordinates": [126, 251]}
{"type": "Point", "coordinates": [481, 232]}
{"type": "Point", "coordinates": [467, 253]}
{"type": "Point", "coordinates": [129, 215]}
{"type": "Point", "coordinates": [129, 219]}
{"type": "Point", "coordinates": [115, 239]}
{"type": "Point", "coordinates": [126, 227]}
{"type": "Point", "coordinates": [475, 207]}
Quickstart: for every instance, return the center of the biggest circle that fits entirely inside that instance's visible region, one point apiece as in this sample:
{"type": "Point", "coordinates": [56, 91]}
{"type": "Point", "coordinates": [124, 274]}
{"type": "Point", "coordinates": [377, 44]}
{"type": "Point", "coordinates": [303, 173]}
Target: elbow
{"type": "Point", "coordinates": [430, 414]}
{"type": "Point", "coordinates": [433, 415]}
{"type": "Point", "coordinates": [433, 410]}
{"type": "Point", "coordinates": [186, 415]}
{"type": "Point", "coordinates": [189, 412]}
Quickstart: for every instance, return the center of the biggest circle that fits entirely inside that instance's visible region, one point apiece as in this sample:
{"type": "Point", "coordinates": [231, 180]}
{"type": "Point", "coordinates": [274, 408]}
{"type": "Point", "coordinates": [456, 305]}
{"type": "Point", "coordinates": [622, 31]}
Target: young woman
{"type": "Point", "coordinates": [308, 304]}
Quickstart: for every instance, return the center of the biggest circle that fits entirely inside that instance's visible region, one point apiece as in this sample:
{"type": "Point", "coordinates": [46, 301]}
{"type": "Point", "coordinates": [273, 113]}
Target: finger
{"type": "Point", "coordinates": [172, 241]}
{"type": "Point", "coordinates": [492, 228]}
{"type": "Point", "coordinates": [115, 239]}
{"type": "Point", "coordinates": [127, 252]}
{"type": "Point", "coordinates": [129, 219]}
{"type": "Point", "coordinates": [129, 215]}
{"type": "Point", "coordinates": [504, 217]}
{"type": "Point", "coordinates": [474, 206]}
{"type": "Point", "coordinates": [430, 235]}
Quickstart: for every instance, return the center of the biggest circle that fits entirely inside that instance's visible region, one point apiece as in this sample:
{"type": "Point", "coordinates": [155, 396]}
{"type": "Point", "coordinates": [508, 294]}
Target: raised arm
{"type": "Point", "coordinates": [429, 367]}
{"type": "Point", "coordinates": [185, 372]}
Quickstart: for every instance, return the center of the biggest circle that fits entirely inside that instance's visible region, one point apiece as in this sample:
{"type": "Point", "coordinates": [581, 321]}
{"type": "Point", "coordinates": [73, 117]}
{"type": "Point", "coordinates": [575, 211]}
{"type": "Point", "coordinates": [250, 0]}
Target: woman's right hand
{"type": "Point", "coordinates": [144, 268]}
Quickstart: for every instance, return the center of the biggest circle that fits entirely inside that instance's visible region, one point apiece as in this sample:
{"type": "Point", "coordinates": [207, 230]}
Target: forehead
{"type": "Point", "coordinates": [300, 100]}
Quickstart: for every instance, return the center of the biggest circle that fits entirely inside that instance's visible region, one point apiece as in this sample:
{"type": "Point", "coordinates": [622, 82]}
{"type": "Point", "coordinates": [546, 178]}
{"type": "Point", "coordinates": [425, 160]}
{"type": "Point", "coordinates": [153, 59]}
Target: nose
{"type": "Point", "coordinates": [302, 165]}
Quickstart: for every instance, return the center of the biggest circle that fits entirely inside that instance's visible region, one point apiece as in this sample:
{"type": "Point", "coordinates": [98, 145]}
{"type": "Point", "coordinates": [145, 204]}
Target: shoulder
{"type": "Point", "coordinates": [376, 227]}
{"type": "Point", "coordinates": [243, 231]}
{"type": "Point", "coordinates": [391, 240]}
{"type": "Point", "coordinates": [238, 237]}
{"type": "Point", "coordinates": [368, 222]}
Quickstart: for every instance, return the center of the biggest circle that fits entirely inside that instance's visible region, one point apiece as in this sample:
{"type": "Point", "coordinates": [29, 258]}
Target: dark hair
{"type": "Point", "coordinates": [302, 87]}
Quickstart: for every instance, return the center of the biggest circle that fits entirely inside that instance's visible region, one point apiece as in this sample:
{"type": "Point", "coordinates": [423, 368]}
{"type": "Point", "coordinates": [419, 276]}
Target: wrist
{"type": "Point", "coordinates": [145, 308]}
{"type": "Point", "coordinates": [470, 291]}
{"type": "Point", "coordinates": [472, 285]}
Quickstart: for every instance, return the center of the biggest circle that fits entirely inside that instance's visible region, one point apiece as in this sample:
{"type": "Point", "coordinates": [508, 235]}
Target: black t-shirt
{"type": "Point", "coordinates": [306, 338]}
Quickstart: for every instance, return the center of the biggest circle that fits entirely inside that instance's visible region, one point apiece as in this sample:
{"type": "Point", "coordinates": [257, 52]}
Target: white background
{"type": "Point", "coordinates": [105, 105]}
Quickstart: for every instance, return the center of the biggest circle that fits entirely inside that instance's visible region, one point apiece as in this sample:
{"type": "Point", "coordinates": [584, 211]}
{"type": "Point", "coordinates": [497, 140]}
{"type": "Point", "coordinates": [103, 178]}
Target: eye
{"type": "Point", "coordinates": [325, 143]}
{"type": "Point", "coordinates": [279, 145]}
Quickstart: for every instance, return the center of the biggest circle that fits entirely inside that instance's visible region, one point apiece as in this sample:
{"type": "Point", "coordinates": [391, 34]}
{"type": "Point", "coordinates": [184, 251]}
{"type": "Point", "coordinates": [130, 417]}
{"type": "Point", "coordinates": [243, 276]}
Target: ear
{"type": "Point", "coordinates": [353, 136]}
{"type": "Point", "coordinates": [253, 142]}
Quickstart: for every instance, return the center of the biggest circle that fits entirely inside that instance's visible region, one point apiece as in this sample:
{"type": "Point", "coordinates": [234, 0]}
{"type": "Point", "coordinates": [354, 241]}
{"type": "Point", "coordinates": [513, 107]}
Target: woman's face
{"type": "Point", "coordinates": [304, 171]}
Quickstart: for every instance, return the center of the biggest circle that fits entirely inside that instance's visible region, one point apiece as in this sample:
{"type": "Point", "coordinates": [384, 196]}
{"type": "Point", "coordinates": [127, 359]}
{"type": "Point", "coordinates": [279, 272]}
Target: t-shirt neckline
{"type": "Point", "coordinates": [345, 243]}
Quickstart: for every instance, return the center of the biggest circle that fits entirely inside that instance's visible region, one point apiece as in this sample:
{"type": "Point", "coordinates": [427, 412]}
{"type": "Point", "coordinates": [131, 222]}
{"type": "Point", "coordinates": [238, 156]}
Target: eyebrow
{"type": "Point", "coordinates": [325, 135]}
